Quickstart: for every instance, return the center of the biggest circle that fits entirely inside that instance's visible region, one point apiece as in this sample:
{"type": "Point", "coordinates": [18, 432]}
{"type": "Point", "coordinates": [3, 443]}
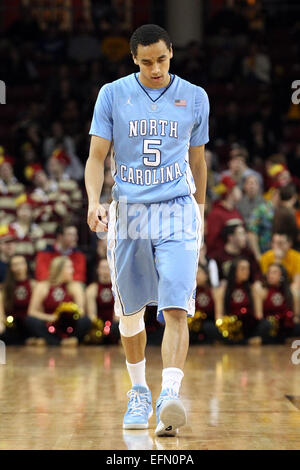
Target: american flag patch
{"type": "Point", "coordinates": [180, 102]}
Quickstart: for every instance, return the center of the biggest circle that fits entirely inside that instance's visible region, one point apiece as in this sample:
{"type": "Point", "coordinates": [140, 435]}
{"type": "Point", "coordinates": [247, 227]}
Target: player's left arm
{"type": "Point", "coordinates": [199, 172]}
{"type": "Point", "coordinates": [199, 137]}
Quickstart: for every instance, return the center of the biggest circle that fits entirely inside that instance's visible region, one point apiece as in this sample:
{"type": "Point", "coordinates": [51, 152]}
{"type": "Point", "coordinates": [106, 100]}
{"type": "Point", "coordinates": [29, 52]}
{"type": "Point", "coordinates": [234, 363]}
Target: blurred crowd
{"type": "Point", "coordinates": [54, 273]}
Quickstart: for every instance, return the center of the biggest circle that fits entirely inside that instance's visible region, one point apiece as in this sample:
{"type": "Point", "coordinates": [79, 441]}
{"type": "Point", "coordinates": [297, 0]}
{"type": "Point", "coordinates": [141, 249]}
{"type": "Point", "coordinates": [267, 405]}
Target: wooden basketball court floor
{"type": "Point", "coordinates": [236, 398]}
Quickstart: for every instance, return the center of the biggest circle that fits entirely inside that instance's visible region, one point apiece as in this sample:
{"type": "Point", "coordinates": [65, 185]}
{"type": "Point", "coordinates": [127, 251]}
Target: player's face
{"type": "Point", "coordinates": [154, 64]}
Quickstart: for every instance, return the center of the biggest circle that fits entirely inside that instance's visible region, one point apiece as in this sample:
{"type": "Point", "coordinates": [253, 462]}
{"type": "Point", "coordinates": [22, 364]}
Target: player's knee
{"type": "Point", "coordinates": [131, 325]}
{"type": "Point", "coordinates": [177, 315]}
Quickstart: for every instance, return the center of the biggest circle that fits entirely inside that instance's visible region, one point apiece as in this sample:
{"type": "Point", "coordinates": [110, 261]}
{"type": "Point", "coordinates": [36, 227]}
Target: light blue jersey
{"type": "Point", "coordinates": [151, 130]}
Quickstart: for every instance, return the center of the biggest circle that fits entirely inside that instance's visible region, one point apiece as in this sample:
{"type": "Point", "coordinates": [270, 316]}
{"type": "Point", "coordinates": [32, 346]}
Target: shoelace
{"type": "Point", "coordinates": [137, 403]}
{"type": "Point", "coordinates": [170, 394]}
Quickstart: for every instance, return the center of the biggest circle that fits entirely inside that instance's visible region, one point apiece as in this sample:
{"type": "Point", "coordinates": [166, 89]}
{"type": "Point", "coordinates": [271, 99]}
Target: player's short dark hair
{"type": "Point", "coordinates": [148, 34]}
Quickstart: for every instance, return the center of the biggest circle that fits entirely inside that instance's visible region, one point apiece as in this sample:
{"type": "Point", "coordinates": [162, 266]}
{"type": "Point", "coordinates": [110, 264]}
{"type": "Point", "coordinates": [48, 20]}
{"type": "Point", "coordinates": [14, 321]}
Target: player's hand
{"type": "Point", "coordinates": [97, 218]}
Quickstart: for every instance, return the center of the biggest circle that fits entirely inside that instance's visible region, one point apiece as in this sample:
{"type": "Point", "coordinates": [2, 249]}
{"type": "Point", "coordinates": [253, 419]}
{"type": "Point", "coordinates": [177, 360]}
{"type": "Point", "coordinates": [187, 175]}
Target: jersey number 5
{"type": "Point", "coordinates": [151, 151]}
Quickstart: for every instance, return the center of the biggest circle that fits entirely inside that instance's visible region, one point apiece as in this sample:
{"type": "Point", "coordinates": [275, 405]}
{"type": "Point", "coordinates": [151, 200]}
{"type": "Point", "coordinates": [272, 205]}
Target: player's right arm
{"type": "Point", "coordinates": [101, 132]}
{"type": "Point", "coordinates": [94, 177]}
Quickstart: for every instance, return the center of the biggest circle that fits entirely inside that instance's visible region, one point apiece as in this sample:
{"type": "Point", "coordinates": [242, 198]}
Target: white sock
{"type": "Point", "coordinates": [137, 373]}
{"type": "Point", "coordinates": [171, 378]}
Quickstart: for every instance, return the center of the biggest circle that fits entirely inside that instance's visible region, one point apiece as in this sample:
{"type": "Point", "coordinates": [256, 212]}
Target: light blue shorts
{"type": "Point", "coordinates": [153, 252]}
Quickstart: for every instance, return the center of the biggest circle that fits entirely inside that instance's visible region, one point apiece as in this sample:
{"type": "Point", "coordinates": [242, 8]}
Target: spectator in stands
{"type": "Point", "coordinates": [280, 177]}
{"type": "Point", "coordinates": [273, 161]}
{"type": "Point", "coordinates": [51, 204]}
{"type": "Point", "coordinates": [283, 254]}
{"type": "Point", "coordinates": [2, 318]}
{"type": "Point", "coordinates": [285, 214]}
{"type": "Point", "coordinates": [235, 297]}
{"type": "Point", "coordinates": [212, 175]}
{"type": "Point", "coordinates": [221, 212]}
{"type": "Point", "coordinates": [211, 265]}
{"type": "Point", "coordinates": [260, 225]}
{"type": "Point", "coordinates": [29, 236]}
{"type": "Point", "coordinates": [65, 245]}
{"type": "Point", "coordinates": [7, 249]}
{"type": "Point", "coordinates": [275, 305]}
{"type": "Point", "coordinates": [63, 144]}
{"type": "Point", "coordinates": [48, 296]}
{"type": "Point", "coordinates": [205, 305]}
{"type": "Point", "coordinates": [100, 301]}
{"type": "Point", "coordinates": [16, 294]}
{"type": "Point", "coordinates": [235, 239]}
{"type": "Point", "coordinates": [10, 188]}
{"type": "Point", "coordinates": [102, 248]}
{"type": "Point", "coordinates": [58, 163]}
{"type": "Point", "coordinates": [251, 197]}
{"type": "Point", "coordinates": [238, 169]}
{"type": "Point", "coordinates": [260, 140]}
{"type": "Point", "coordinates": [257, 65]}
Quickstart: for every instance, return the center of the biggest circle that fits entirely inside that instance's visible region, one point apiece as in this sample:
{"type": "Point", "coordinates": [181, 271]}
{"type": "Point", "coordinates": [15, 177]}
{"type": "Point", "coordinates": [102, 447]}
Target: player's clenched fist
{"type": "Point", "coordinates": [97, 218]}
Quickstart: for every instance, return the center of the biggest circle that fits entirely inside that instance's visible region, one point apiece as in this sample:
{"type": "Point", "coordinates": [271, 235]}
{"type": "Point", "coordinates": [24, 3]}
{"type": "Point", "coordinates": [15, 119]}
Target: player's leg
{"type": "Point", "coordinates": [133, 337]}
{"type": "Point", "coordinates": [176, 262]}
{"type": "Point", "coordinates": [176, 339]}
{"type": "Point", "coordinates": [133, 287]}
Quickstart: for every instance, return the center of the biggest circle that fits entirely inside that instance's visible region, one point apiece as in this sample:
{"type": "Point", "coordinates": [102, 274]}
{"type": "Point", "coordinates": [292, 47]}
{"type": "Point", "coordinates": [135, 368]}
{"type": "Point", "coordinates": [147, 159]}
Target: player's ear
{"type": "Point", "coordinates": [171, 51]}
{"type": "Point", "coordinates": [134, 59]}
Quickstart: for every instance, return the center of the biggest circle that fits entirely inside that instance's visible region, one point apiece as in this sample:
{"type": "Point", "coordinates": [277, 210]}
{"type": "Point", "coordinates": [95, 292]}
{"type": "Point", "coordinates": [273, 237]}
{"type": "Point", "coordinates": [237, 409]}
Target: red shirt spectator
{"type": "Point", "coordinates": [222, 211]}
{"type": "Point", "coordinates": [235, 239]}
{"type": "Point", "coordinates": [65, 245]}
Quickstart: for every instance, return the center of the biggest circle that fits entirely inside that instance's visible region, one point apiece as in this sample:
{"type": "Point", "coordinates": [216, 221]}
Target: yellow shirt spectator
{"type": "Point", "coordinates": [291, 262]}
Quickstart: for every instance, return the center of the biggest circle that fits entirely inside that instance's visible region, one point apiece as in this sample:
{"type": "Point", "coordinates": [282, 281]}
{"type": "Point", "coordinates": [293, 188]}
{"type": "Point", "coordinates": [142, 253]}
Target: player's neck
{"type": "Point", "coordinates": [149, 85]}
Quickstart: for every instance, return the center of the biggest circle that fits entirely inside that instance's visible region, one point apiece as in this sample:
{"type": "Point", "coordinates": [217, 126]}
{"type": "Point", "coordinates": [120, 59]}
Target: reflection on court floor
{"type": "Point", "coordinates": [236, 398]}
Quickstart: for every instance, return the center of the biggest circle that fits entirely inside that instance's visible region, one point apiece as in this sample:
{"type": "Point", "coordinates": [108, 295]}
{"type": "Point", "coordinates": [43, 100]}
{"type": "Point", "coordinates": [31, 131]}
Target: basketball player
{"type": "Point", "coordinates": [158, 124]}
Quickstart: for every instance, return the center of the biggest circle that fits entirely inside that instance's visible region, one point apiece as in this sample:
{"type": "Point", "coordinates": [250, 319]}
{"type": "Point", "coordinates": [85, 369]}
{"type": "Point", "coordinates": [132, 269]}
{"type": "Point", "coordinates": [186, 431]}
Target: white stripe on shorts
{"type": "Point", "coordinates": [191, 301]}
{"type": "Point", "coordinates": [112, 241]}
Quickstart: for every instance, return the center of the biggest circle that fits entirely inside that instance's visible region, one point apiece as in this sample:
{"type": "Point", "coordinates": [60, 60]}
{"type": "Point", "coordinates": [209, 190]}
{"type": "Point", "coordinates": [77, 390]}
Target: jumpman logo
{"type": "Point", "coordinates": [129, 102]}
